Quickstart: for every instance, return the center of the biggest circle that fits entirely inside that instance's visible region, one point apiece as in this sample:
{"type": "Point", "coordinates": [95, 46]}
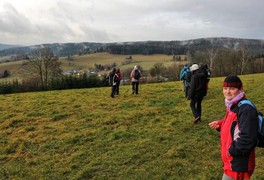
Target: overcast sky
{"type": "Point", "coordinates": [29, 22]}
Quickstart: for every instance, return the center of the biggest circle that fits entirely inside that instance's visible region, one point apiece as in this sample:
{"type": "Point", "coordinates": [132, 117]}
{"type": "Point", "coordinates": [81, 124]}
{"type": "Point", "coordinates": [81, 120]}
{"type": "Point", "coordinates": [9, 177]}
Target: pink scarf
{"type": "Point", "coordinates": [229, 103]}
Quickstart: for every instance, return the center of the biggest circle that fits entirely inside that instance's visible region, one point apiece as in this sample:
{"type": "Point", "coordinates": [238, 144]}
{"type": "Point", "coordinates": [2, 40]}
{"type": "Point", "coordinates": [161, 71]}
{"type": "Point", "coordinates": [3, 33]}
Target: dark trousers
{"type": "Point", "coordinates": [117, 87]}
{"type": "Point", "coordinates": [135, 87]}
{"type": "Point", "coordinates": [187, 88]}
{"type": "Point", "coordinates": [113, 90]}
{"type": "Point", "coordinates": [196, 106]}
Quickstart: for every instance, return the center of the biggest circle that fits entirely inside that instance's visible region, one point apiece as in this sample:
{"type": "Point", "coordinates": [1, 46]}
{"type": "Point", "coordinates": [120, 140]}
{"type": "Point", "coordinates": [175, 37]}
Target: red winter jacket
{"type": "Point", "coordinates": [238, 139]}
{"type": "Point", "coordinates": [119, 75]}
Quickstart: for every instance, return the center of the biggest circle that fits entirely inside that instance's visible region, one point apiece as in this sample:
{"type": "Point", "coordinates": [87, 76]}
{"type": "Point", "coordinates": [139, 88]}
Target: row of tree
{"type": "Point", "coordinates": [147, 48]}
{"type": "Point", "coordinates": [230, 61]}
{"type": "Point", "coordinates": [101, 67]}
{"type": "Point", "coordinates": [58, 83]}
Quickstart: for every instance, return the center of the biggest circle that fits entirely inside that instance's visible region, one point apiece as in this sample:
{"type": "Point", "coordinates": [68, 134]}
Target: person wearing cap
{"type": "Point", "coordinates": [135, 76]}
{"type": "Point", "coordinates": [238, 132]}
{"type": "Point", "coordinates": [197, 91]}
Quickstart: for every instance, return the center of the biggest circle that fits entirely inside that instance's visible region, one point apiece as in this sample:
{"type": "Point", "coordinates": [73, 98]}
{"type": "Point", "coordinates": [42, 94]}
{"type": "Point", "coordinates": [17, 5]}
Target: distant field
{"type": "Point", "coordinates": [85, 134]}
{"type": "Point", "coordinates": [14, 68]}
{"type": "Point", "coordinates": [88, 61]}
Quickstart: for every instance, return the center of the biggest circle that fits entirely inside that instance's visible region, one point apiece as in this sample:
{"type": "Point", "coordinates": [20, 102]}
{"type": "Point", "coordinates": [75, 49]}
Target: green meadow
{"type": "Point", "coordinates": [86, 134]}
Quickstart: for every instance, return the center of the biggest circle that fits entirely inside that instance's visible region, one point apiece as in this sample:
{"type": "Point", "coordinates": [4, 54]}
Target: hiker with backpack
{"type": "Point", "coordinates": [207, 72]}
{"type": "Point", "coordinates": [113, 78]}
{"type": "Point", "coordinates": [238, 131]}
{"type": "Point", "coordinates": [185, 76]}
{"type": "Point", "coordinates": [135, 76]}
{"type": "Point", "coordinates": [119, 74]}
{"type": "Point", "coordinates": [197, 92]}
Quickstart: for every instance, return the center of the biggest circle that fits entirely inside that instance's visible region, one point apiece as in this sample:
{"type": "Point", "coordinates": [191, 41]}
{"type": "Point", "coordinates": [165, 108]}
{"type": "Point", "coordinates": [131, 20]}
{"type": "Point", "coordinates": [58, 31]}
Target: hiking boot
{"type": "Point", "coordinates": [197, 119]}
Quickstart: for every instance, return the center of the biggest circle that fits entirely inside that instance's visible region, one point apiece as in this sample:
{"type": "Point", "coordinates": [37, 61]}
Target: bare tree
{"type": "Point", "coordinates": [43, 65]}
{"type": "Point", "coordinates": [156, 70]}
{"type": "Point", "coordinates": [244, 57]}
{"type": "Point", "coordinates": [211, 57]}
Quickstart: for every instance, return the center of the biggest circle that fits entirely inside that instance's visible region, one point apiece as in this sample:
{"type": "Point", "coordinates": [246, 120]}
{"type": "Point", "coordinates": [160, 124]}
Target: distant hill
{"type": "Point", "coordinates": [59, 49]}
{"type": "Point", "coordinates": [184, 47]}
{"type": "Point", "coordinates": [7, 46]}
{"type": "Point", "coordinates": [142, 47]}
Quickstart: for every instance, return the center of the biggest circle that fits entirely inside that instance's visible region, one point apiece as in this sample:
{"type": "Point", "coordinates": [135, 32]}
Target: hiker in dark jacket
{"type": "Point", "coordinates": [238, 132]}
{"type": "Point", "coordinates": [135, 76]}
{"type": "Point", "coordinates": [197, 92]}
{"type": "Point", "coordinates": [113, 78]}
{"type": "Point", "coordinates": [119, 74]}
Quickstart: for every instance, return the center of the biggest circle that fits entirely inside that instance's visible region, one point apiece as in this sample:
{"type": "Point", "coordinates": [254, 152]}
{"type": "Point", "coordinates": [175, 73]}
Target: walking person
{"type": "Point", "coordinates": [185, 76]}
{"type": "Point", "coordinates": [135, 76]}
{"type": "Point", "coordinates": [205, 69]}
{"type": "Point", "coordinates": [119, 74]}
{"type": "Point", "coordinates": [197, 92]}
{"type": "Point", "coordinates": [238, 132]}
{"type": "Point", "coordinates": [113, 78]}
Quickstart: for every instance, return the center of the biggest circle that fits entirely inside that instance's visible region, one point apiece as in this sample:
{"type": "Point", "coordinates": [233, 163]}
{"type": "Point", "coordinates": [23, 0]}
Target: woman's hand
{"type": "Point", "coordinates": [214, 125]}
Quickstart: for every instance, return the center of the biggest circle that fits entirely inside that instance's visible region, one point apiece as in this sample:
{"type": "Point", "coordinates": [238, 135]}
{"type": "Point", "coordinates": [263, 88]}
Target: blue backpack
{"type": "Point", "coordinates": [260, 121]}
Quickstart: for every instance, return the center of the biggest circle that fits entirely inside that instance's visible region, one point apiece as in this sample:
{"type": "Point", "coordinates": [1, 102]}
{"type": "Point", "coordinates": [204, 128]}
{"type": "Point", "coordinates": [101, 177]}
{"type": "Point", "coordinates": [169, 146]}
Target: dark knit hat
{"type": "Point", "coordinates": [232, 81]}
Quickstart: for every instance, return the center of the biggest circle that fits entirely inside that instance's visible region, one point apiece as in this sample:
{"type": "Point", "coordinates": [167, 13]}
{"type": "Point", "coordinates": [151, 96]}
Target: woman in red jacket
{"type": "Point", "coordinates": [238, 132]}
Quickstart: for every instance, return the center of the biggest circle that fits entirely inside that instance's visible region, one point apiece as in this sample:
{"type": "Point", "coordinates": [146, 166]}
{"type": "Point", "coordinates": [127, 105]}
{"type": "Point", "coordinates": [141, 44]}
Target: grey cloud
{"type": "Point", "coordinates": [95, 34]}
{"type": "Point", "coordinates": [11, 21]}
{"type": "Point", "coordinates": [237, 13]}
{"type": "Point", "coordinates": [70, 11]}
{"type": "Point", "coordinates": [130, 20]}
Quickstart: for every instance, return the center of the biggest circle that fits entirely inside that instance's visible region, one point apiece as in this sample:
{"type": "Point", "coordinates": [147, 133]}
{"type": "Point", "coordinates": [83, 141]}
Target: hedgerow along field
{"type": "Point", "coordinates": [86, 134]}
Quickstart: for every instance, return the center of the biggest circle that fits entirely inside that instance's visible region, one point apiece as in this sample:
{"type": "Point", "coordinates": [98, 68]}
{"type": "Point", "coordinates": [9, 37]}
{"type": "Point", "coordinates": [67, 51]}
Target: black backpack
{"type": "Point", "coordinates": [136, 74]}
{"type": "Point", "coordinates": [205, 70]}
{"type": "Point", "coordinates": [188, 76]}
{"type": "Point", "coordinates": [113, 78]}
{"type": "Point", "coordinates": [260, 121]}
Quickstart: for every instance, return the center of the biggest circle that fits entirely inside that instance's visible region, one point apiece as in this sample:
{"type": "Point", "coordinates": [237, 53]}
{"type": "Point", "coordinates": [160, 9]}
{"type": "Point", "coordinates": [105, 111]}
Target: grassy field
{"type": "Point", "coordinates": [85, 134]}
